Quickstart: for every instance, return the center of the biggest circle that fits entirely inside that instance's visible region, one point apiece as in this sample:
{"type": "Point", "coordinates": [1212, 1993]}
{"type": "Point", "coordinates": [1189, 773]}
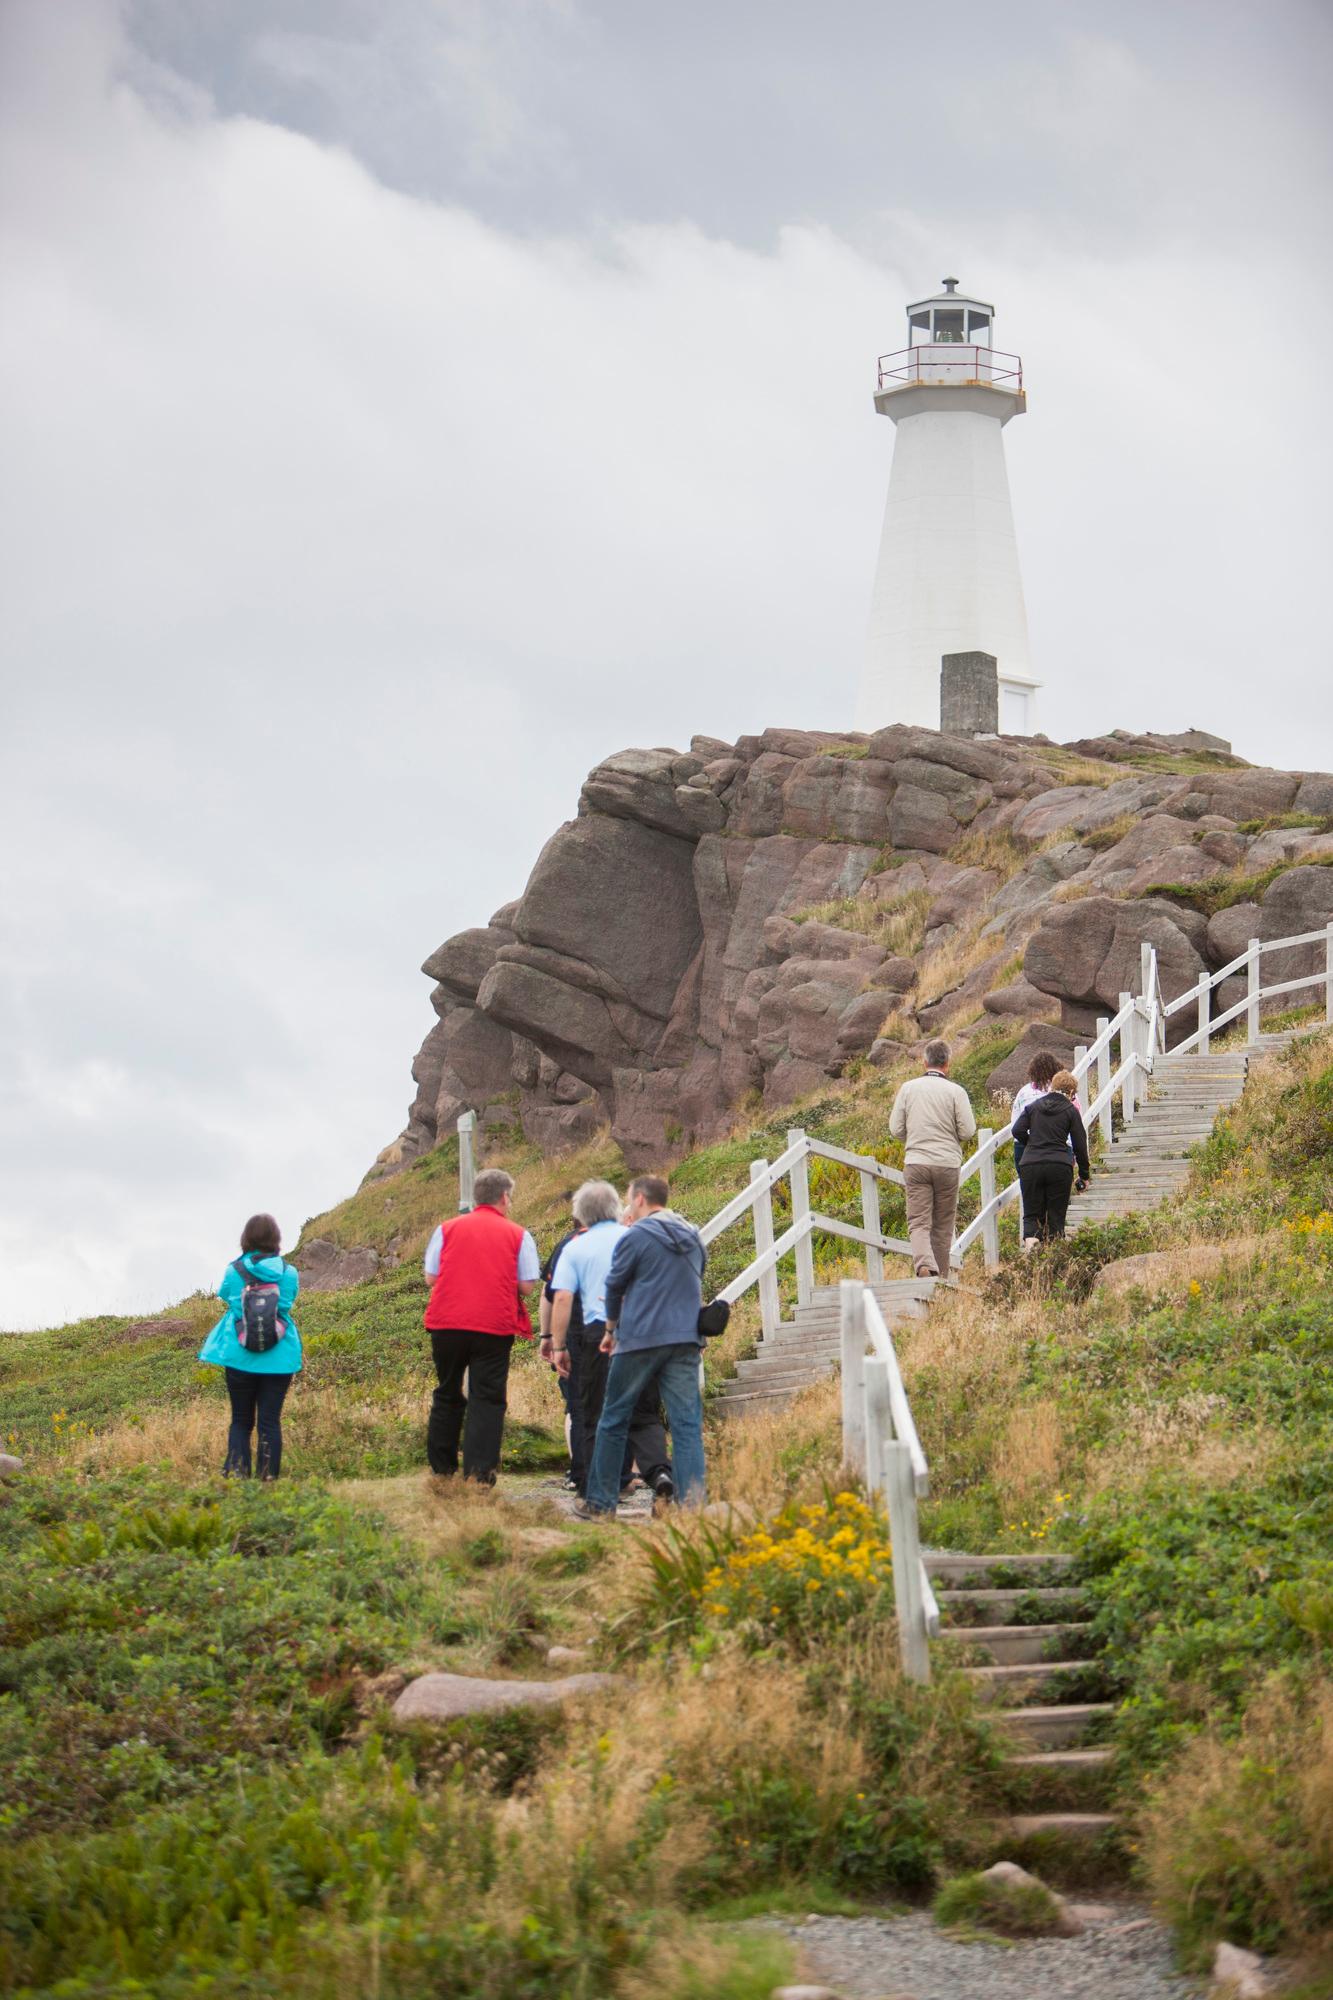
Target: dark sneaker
{"type": "Point", "coordinates": [570, 1484]}
{"type": "Point", "coordinates": [583, 1512]}
{"type": "Point", "coordinates": [663, 1487]}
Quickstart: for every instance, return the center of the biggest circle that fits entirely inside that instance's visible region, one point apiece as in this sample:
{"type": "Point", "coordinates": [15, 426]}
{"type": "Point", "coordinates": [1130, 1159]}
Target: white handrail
{"type": "Point", "coordinates": [904, 1429]}
{"type": "Point", "coordinates": [880, 1443]}
{"type": "Point", "coordinates": [1139, 1024]}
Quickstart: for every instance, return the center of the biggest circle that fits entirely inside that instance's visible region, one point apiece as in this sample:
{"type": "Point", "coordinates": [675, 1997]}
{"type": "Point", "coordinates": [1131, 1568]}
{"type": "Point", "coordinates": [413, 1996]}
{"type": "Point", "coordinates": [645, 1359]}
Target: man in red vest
{"type": "Point", "coordinates": [483, 1266]}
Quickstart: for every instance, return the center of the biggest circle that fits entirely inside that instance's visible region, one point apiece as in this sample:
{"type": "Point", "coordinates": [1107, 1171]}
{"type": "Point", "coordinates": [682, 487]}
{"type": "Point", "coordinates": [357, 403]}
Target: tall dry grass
{"type": "Point", "coordinates": [1238, 1836]}
{"type": "Point", "coordinates": [323, 1426]}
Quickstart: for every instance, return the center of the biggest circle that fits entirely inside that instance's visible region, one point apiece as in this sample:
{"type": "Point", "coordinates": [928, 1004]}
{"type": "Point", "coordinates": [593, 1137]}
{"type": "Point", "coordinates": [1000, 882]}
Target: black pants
{"type": "Point", "coordinates": [255, 1397]}
{"type": "Point", "coordinates": [569, 1396]}
{"type": "Point", "coordinates": [647, 1446]}
{"type": "Point", "coordinates": [1047, 1186]}
{"type": "Point", "coordinates": [477, 1417]}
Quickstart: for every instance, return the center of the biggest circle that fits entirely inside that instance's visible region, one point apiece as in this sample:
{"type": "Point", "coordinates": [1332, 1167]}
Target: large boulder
{"type": "Point", "coordinates": [642, 786]}
{"type": "Point", "coordinates": [328, 1267]}
{"type": "Point", "coordinates": [462, 962]}
{"type": "Point", "coordinates": [1042, 1036]}
{"type": "Point", "coordinates": [1087, 953]}
{"type": "Point", "coordinates": [619, 895]}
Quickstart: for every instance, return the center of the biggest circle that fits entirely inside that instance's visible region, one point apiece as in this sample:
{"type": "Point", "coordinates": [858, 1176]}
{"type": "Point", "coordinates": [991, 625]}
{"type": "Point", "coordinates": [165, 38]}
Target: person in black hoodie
{"type": "Point", "coordinates": [1046, 1130]}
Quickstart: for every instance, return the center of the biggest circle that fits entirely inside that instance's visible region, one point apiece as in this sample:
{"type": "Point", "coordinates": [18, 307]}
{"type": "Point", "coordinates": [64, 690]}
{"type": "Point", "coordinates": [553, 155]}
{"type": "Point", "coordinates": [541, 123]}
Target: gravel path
{"type": "Point", "coordinates": [1126, 1957]}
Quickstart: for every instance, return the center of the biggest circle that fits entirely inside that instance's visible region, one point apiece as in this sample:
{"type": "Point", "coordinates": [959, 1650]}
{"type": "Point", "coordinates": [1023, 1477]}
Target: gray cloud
{"type": "Point", "coordinates": [406, 405]}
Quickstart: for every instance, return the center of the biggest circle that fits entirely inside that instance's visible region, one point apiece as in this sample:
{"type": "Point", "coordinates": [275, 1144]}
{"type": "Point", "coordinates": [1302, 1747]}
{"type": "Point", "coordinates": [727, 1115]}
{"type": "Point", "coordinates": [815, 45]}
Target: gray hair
{"type": "Point", "coordinates": [596, 1201]}
{"type": "Point", "coordinates": [491, 1186]}
{"type": "Point", "coordinates": [937, 1055]}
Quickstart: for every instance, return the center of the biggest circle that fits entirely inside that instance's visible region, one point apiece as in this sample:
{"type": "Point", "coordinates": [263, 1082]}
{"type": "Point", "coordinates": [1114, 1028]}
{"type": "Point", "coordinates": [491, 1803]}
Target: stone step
{"type": "Point", "coordinates": [1014, 1645]}
{"type": "Point", "coordinates": [950, 1566]}
{"type": "Point", "coordinates": [1053, 1727]}
{"type": "Point", "coordinates": [1010, 1683]}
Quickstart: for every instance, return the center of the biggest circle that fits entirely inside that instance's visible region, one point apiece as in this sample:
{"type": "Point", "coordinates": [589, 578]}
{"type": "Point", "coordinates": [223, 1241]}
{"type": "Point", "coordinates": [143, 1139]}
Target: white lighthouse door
{"type": "Point", "coordinates": [1015, 711]}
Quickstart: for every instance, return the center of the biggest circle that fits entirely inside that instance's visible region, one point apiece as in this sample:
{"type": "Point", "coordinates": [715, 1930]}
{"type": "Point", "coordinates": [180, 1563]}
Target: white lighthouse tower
{"type": "Point", "coordinates": [947, 580]}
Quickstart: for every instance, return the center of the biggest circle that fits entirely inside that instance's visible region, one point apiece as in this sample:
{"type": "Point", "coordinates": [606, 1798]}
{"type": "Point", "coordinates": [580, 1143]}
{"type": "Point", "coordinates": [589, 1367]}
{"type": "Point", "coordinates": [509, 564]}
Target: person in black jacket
{"type": "Point", "coordinates": [1046, 1130]}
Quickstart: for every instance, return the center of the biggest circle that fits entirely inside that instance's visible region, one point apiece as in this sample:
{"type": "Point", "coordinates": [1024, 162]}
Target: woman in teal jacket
{"type": "Point", "coordinates": [256, 1383]}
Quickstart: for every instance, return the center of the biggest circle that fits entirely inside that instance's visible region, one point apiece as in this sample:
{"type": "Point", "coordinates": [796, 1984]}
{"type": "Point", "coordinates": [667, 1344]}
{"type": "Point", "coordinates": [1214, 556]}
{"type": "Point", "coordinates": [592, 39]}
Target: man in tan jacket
{"type": "Point", "coordinates": [935, 1119]}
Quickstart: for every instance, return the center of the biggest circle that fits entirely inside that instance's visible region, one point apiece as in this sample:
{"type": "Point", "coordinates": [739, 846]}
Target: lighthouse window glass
{"type": "Point", "coordinates": [948, 326]}
{"type": "Point", "coordinates": [978, 326]}
{"type": "Point", "coordinates": [920, 326]}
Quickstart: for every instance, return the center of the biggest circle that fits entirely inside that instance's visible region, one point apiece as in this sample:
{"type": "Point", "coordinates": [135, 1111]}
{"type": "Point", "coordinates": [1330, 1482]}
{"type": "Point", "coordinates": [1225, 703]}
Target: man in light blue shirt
{"type": "Point", "coordinates": [582, 1271]}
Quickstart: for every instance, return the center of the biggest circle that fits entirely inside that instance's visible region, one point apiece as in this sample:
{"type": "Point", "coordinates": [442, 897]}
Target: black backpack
{"type": "Point", "coordinates": [261, 1326]}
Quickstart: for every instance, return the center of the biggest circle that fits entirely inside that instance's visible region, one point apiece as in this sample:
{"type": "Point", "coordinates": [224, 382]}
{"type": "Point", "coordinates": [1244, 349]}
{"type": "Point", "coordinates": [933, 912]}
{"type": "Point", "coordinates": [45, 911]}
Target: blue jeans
{"type": "Point", "coordinates": [674, 1372]}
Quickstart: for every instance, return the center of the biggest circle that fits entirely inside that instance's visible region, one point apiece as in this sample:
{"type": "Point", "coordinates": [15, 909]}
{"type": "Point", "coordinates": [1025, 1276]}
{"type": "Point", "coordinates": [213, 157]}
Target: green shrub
{"type": "Point", "coordinates": [982, 1902]}
{"type": "Point", "coordinates": [1198, 1591]}
{"type": "Point", "coordinates": [151, 1642]}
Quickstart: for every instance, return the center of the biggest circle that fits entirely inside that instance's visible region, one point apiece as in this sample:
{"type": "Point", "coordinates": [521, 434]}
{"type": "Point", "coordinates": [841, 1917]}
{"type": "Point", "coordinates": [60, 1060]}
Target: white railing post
{"type": "Point", "coordinates": [870, 1221]}
{"type": "Point", "coordinates": [769, 1309]}
{"type": "Point", "coordinates": [1141, 1046]}
{"type": "Point", "coordinates": [1104, 1118]}
{"type": "Point", "coordinates": [852, 1334]}
{"type": "Point", "coordinates": [901, 1495]}
{"type": "Point", "coordinates": [1205, 992]}
{"type": "Point", "coordinates": [990, 1228]}
{"type": "Point", "coordinates": [1081, 1066]}
{"type": "Point", "coordinates": [1328, 975]}
{"type": "Point", "coordinates": [467, 1160]}
{"type": "Point", "coordinates": [878, 1413]}
{"type": "Point", "coordinates": [1252, 992]}
{"type": "Point", "coordinates": [800, 1211]}
{"type": "Point", "coordinates": [1128, 1047]}
{"type": "Point", "coordinates": [1147, 970]}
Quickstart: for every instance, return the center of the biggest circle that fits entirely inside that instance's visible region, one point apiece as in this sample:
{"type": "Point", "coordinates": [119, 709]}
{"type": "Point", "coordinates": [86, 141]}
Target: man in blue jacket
{"type": "Point", "coordinates": [654, 1290]}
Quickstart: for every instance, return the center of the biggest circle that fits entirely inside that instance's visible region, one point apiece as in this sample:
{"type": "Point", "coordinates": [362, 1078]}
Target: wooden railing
{"type": "Point", "coordinates": [1117, 1064]}
{"type": "Point", "coordinates": [1250, 962]}
{"type": "Point", "coordinates": [881, 1446]}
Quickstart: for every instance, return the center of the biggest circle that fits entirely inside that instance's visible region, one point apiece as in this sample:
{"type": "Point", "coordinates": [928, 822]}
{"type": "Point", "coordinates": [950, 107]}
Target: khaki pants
{"type": "Point", "coordinates": [932, 1206]}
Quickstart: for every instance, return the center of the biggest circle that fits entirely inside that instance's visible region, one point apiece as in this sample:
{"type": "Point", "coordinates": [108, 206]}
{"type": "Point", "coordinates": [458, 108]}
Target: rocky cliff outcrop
{"type": "Point", "coordinates": [744, 918]}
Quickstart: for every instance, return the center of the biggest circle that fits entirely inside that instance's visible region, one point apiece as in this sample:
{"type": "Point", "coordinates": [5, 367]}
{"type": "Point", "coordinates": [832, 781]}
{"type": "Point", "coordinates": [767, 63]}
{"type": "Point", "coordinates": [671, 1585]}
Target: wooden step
{"type": "Point", "coordinates": [1013, 1645]}
{"type": "Point", "coordinates": [1059, 1825]}
{"type": "Point", "coordinates": [1064, 1600]}
{"type": "Point", "coordinates": [949, 1566]}
{"type": "Point", "coordinates": [1061, 1761]}
{"type": "Point", "coordinates": [1053, 1727]}
{"type": "Point", "coordinates": [1007, 1683]}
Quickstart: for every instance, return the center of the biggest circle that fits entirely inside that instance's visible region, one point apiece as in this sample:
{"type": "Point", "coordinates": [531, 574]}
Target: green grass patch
{"type": "Point", "coordinates": [981, 1903]}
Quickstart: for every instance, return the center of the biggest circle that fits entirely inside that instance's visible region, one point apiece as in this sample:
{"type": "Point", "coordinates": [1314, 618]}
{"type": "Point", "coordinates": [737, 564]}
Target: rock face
{"type": "Point", "coordinates": [327, 1267]}
{"type": "Point", "coordinates": [742, 919]}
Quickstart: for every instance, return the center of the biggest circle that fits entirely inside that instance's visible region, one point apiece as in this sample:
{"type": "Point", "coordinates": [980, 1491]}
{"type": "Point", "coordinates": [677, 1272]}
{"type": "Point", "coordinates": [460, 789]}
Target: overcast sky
{"type": "Point", "coordinates": [405, 403]}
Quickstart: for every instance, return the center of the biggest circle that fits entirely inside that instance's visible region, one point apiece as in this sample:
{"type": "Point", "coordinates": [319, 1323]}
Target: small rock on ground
{"type": "Point", "coordinates": [10, 1467]}
{"type": "Point", "coordinates": [1239, 1974]}
{"type": "Point", "coordinates": [865, 1958]}
{"type": "Point", "coordinates": [445, 1697]}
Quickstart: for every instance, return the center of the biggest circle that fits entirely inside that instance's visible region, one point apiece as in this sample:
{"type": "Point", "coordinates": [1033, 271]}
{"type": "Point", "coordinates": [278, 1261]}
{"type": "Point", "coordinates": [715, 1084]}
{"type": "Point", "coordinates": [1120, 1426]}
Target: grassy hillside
{"type": "Point", "coordinates": [116, 1391]}
{"type": "Point", "coordinates": [227, 1812]}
